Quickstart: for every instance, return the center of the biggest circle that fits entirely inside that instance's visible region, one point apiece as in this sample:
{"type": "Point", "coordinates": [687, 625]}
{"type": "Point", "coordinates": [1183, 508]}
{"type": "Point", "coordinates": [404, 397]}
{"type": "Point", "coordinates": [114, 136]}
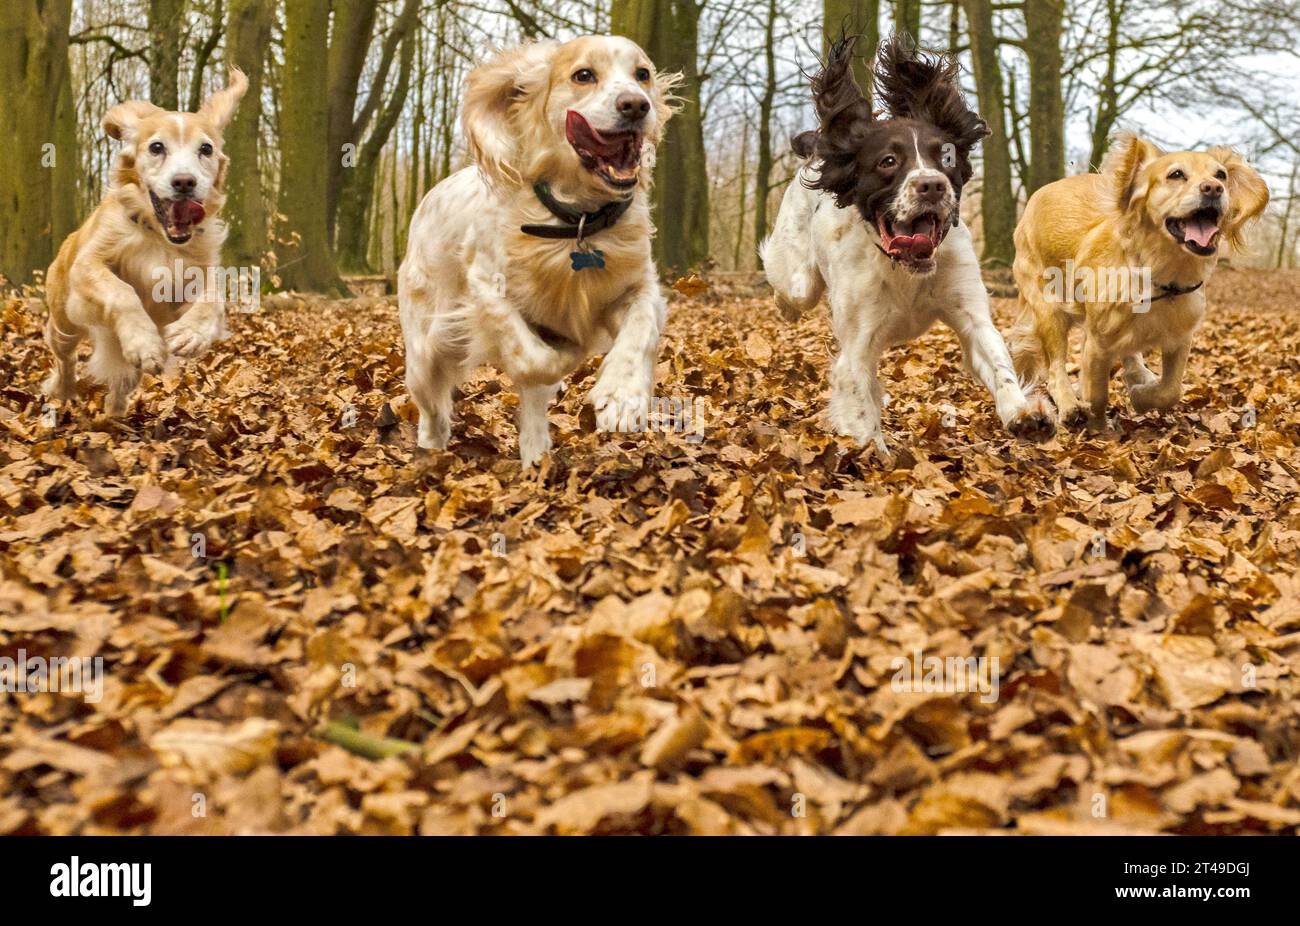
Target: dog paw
{"type": "Point", "coordinates": [1148, 398]}
{"type": "Point", "coordinates": [876, 449]}
{"type": "Point", "coordinates": [1075, 418]}
{"type": "Point", "coordinates": [59, 388]}
{"type": "Point", "coordinates": [1140, 378]}
{"type": "Point", "coordinates": [532, 447]}
{"type": "Point", "coordinates": [144, 349]}
{"type": "Point", "coordinates": [433, 434]}
{"type": "Point", "coordinates": [189, 340]}
{"type": "Point", "coordinates": [550, 365]}
{"type": "Point", "coordinates": [867, 436]}
{"type": "Point", "coordinates": [1035, 422]}
{"type": "Point", "coordinates": [619, 410]}
{"type": "Point", "coordinates": [115, 404]}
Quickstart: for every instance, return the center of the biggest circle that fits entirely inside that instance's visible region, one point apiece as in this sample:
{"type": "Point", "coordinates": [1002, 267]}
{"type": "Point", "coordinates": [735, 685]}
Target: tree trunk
{"type": "Point", "coordinates": [33, 71]}
{"type": "Point", "coordinates": [907, 18]}
{"type": "Point", "coordinates": [248, 33]}
{"type": "Point", "coordinates": [359, 181]}
{"type": "Point", "coordinates": [743, 184]}
{"type": "Point", "coordinates": [854, 17]}
{"type": "Point", "coordinates": [1046, 108]}
{"type": "Point", "coordinates": [668, 30]}
{"type": "Point", "coordinates": [447, 116]}
{"type": "Point", "coordinates": [997, 205]}
{"type": "Point", "coordinates": [1284, 230]}
{"type": "Point", "coordinates": [763, 176]}
{"type": "Point", "coordinates": [203, 55]}
{"type": "Point", "coordinates": [354, 26]}
{"type": "Point", "coordinates": [306, 264]}
{"type": "Point", "coordinates": [165, 21]}
{"type": "Point", "coordinates": [1108, 94]}
{"type": "Point", "coordinates": [64, 203]}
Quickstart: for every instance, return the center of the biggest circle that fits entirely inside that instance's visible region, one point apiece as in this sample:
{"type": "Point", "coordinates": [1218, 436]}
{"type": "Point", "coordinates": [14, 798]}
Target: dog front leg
{"type": "Point", "coordinates": [199, 326]}
{"type": "Point", "coordinates": [1162, 393]}
{"type": "Point", "coordinates": [102, 298]}
{"type": "Point", "coordinates": [989, 361]}
{"type": "Point", "coordinates": [1136, 372]}
{"type": "Point", "coordinates": [534, 428]}
{"type": "Point", "coordinates": [1095, 369]}
{"type": "Point", "coordinates": [856, 395]}
{"type": "Point", "coordinates": [626, 378]}
{"type": "Point", "coordinates": [1052, 328]}
{"type": "Point", "coordinates": [525, 357]}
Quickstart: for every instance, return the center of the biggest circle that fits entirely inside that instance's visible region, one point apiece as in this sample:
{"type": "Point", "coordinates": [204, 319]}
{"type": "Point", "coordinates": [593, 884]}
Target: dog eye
{"type": "Point", "coordinates": [888, 161]}
{"type": "Point", "coordinates": [1220, 174]}
{"type": "Point", "coordinates": [1176, 175]}
{"type": "Point", "coordinates": [157, 148]}
{"type": "Point", "coordinates": [643, 74]}
{"type": "Point", "coordinates": [205, 149]}
{"type": "Point", "coordinates": [584, 76]}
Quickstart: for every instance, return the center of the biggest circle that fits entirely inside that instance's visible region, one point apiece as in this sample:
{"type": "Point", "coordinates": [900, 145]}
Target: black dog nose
{"type": "Point", "coordinates": [184, 184]}
{"type": "Point", "coordinates": [1211, 189]}
{"type": "Point", "coordinates": [929, 190]}
{"type": "Point", "coordinates": [632, 106]}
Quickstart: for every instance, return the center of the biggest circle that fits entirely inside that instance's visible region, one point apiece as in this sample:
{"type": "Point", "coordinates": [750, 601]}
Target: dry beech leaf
{"type": "Point", "coordinates": [213, 748]}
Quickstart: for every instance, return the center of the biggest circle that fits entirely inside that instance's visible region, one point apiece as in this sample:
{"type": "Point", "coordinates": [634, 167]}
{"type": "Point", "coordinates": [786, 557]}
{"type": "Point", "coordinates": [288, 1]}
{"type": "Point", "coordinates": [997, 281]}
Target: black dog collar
{"type": "Point", "coordinates": [1173, 289]}
{"type": "Point", "coordinates": [578, 224]}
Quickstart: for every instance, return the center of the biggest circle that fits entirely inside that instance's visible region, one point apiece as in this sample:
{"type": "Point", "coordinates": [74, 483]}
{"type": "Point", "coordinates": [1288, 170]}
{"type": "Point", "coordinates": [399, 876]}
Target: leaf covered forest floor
{"type": "Point", "coordinates": [648, 634]}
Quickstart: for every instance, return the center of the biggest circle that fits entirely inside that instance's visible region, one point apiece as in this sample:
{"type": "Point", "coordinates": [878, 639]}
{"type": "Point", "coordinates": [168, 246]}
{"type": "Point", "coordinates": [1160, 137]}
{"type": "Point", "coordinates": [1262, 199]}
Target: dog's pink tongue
{"type": "Point", "coordinates": [917, 246]}
{"type": "Point", "coordinates": [1199, 231]}
{"type": "Point", "coordinates": [189, 212]}
{"type": "Point", "coordinates": [182, 214]}
{"type": "Point", "coordinates": [579, 132]}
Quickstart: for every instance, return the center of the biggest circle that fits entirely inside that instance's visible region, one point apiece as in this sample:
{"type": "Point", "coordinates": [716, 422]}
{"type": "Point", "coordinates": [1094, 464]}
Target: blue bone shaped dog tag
{"type": "Point", "coordinates": [584, 259]}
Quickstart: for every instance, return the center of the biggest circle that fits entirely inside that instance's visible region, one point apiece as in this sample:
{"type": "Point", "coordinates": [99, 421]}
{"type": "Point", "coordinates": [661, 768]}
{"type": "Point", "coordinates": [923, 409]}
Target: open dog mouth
{"type": "Point", "coordinates": [614, 157]}
{"type": "Point", "coordinates": [177, 217]}
{"type": "Point", "coordinates": [1197, 231]}
{"type": "Point", "coordinates": [911, 242]}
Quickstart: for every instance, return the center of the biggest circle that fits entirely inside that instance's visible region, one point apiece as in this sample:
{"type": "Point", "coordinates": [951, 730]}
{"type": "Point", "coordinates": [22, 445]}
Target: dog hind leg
{"type": "Point", "coordinates": [431, 379]}
{"type": "Point", "coordinates": [534, 428]}
{"type": "Point", "coordinates": [787, 254]}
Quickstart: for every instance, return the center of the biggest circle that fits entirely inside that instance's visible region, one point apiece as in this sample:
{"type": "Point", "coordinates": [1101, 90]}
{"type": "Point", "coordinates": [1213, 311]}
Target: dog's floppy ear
{"type": "Point", "coordinates": [1123, 163]}
{"type": "Point", "coordinates": [843, 116]}
{"type": "Point", "coordinates": [914, 84]}
{"type": "Point", "coordinates": [666, 101]}
{"type": "Point", "coordinates": [1247, 193]}
{"type": "Point", "coordinates": [836, 93]}
{"type": "Point", "coordinates": [804, 145]}
{"type": "Point", "coordinates": [492, 92]}
{"type": "Point", "coordinates": [220, 107]}
{"type": "Point", "coordinates": [121, 121]}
